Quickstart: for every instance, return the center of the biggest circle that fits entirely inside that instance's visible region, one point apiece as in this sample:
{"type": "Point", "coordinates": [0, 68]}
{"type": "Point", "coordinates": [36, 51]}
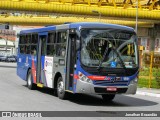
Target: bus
{"type": "Point", "coordinates": [85, 58]}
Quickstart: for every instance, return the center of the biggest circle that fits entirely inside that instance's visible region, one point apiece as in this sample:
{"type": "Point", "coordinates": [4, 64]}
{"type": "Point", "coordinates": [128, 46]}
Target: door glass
{"type": "Point", "coordinates": [43, 50]}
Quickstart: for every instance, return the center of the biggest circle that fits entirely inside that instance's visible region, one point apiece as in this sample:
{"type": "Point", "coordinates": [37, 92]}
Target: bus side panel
{"type": "Point", "coordinates": [48, 70]}
{"type": "Point", "coordinates": [26, 66]}
{"type": "Point", "coordinates": [21, 72]}
{"type": "Point", "coordinates": [59, 67]}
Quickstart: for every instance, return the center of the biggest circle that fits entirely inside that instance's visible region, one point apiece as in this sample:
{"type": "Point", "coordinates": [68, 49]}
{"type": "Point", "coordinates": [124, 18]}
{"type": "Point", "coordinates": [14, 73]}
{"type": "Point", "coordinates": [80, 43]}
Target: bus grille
{"type": "Point", "coordinates": [110, 83]}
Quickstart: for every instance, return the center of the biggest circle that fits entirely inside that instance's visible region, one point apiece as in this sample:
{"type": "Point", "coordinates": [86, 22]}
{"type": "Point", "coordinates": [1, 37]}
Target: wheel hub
{"type": "Point", "coordinates": [60, 87]}
{"type": "Point", "coordinates": [29, 80]}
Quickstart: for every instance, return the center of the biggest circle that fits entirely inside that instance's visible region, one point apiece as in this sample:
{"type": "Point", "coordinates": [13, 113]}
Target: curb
{"type": "Point", "coordinates": [148, 94]}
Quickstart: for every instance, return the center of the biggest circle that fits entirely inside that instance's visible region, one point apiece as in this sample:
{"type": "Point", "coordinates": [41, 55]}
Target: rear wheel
{"type": "Point", "coordinates": [60, 89]}
{"type": "Point", "coordinates": [108, 97]}
{"type": "Point", "coordinates": [30, 83]}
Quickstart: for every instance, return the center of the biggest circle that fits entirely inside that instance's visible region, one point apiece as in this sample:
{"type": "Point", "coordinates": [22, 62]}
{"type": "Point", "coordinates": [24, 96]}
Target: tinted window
{"type": "Point", "coordinates": [51, 44]}
{"type": "Point", "coordinates": [28, 43]}
{"type": "Point", "coordinates": [61, 44]}
{"type": "Point", "coordinates": [28, 38]}
{"type": "Point", "coordinates": [22, 39]}
{"type": "Point", "coordinates": [62, 37]}
{"type": "Point", "coordinates": [34, 39]}
{"type": "Point", "coordinates": [34, 42]}
{"type": "Point", "coordinates": [51, 38]}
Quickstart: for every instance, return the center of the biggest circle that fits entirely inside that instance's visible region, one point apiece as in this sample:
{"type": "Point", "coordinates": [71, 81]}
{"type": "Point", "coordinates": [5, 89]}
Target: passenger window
{"type": "Point", "coordinates": [22, 49]}
{"type": "Point", "coordinates": [21, 44]}
{"type": "Point", "coordinates": [28, 39]}
{"type": "Point", "coordinates": [22, 39]}
{"type": "Point", "coordinates": [61, 44]}
{"type": "Point", "coordinates": [51, 50]}
{"type": "Point", "coordinates": [60, 50]}
{"type": "Point", "coordinates": [51, 44]}
{"type": "Point", "coordinates": [27, 48]}
{"type": "Point", "coordinates": [51, 38]}
{"type": "Point", "coordinates": [34, 42]}
{"type": "Point", "coordinates": [33, 49]}
{"type": "Point", "coordinates": [34, 39]}
{"type": "Point", "coordinates": [62, 37]}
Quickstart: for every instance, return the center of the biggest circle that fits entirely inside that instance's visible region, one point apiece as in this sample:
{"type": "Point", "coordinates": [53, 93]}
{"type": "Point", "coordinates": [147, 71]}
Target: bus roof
{"type": "Point", "coordinates": [78, 25]}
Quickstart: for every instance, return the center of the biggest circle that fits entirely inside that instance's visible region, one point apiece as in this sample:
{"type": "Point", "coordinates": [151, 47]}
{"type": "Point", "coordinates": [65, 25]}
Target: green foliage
{"type": "Point", "coordinates": [145, 72]}
{"type": "Point", "coordinates": [144, 78]}
{"type": "Point", "coordinates": [144, 82]}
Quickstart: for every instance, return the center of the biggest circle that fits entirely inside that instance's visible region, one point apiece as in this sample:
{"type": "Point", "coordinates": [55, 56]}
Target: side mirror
{"type": "Point", "coordinates": [77, 44]}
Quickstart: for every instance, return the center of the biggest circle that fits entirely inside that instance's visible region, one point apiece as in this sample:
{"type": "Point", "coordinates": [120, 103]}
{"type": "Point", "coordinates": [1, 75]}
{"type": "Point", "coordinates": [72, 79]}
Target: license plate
{"type": "Point", "coordinates": [111, 89]}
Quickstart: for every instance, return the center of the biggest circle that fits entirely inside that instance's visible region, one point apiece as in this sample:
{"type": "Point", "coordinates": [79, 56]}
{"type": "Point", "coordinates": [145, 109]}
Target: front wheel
{"type": "Point", "coordinates": [60, 89]}
{"type": "Point", "coordinates": [30, 83]}
{"type": "Point", "coordinates": [108, 97]}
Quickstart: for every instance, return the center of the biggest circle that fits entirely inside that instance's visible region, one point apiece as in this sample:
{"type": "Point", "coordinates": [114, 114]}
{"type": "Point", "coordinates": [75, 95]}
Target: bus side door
{"type": "Point", "coordinates": [71, 60]}
{"type": "Point", "coordinates": [40, 73]}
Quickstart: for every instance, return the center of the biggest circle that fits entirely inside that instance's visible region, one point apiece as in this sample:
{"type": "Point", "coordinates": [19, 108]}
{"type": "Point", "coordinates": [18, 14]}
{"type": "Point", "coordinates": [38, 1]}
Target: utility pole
{"type": "Point", "coordinates": [136, 27]}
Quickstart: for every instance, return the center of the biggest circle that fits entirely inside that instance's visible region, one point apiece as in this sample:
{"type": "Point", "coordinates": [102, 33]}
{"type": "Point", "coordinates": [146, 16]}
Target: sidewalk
{"type": "Point", "coordinates": [148, 92]}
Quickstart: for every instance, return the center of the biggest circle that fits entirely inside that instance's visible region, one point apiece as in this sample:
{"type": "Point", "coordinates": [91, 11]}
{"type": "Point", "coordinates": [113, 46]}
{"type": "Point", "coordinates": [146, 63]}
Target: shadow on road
{"type": "Point", "coordinates": [96, 100]}
{"type": "Point", "coordinates": [120, 100]}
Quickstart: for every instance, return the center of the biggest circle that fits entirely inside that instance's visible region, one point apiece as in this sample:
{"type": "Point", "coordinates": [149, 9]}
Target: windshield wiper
{"type": "Point", "coordinates": [122, 63]}
{"type": "Point", "coordinates": [104, 55]}
{"type": "Point", "coordinates": [100, 64]}
{"type": "Point", "coordinates": [106, 50]}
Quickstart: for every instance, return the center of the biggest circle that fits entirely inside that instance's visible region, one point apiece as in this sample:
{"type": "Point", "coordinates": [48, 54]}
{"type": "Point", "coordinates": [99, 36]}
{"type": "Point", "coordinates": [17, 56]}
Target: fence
{"type": "Point", "coordinates": [149, 75]}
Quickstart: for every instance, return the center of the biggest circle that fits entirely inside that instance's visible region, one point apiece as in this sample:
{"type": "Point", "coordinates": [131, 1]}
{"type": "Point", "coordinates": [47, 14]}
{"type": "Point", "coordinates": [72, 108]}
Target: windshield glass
{"type": "Point", "coordinates": [109, 48]}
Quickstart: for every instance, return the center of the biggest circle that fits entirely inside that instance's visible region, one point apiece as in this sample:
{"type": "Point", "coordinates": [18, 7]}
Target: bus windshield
{"type": "Point", "coordinates": [109, 48]}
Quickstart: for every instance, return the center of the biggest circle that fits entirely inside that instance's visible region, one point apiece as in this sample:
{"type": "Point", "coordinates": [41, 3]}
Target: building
{"type": "Point", "coordinates": [7, 40]}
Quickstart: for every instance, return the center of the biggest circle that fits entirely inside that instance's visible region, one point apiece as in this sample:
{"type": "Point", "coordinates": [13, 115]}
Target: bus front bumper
{"type": "Point", "coordinates": [84, 87]}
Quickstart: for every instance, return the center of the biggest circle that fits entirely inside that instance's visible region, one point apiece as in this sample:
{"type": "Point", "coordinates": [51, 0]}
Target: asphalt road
{"type": "Point", "coordinates": [15, 96]}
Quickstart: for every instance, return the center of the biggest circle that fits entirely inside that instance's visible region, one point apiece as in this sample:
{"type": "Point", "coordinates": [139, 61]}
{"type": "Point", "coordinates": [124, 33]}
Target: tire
{"type": "Point", "coordinates": [108, 97]}
{"type": "Point", "coordinates": [30, 83]}
{"type": "Point", "coordinates": [60, 89]}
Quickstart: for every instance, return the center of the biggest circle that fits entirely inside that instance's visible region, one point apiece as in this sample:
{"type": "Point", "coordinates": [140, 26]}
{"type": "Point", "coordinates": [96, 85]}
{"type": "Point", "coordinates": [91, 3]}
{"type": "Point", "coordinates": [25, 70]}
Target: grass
{"type": "Point", "coordinates": [145, 72]}
{"type": "Point", "coordinates": [144, 78]}
{"type": "Point", "coordinates": [143, 82]}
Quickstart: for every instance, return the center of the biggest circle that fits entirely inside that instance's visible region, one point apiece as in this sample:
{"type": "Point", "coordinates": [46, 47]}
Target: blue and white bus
{"type": "Point", "coordinates": [92, 58]}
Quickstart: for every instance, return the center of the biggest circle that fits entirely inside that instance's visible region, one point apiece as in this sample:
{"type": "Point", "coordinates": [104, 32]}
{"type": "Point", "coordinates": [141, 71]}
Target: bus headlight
{"type": "Point", "coordinates": [84, 78]}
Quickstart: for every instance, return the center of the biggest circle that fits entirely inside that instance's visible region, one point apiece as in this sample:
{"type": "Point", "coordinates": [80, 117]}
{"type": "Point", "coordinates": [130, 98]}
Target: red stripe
{"type": "Point", "coordinates": [33, 71]}
{"type": "Point", "coordinates": [76, 77]}
{"type": "Point", "coordinates": [92, 77]}
{"type": "Point", "coordinates": [96, 77]}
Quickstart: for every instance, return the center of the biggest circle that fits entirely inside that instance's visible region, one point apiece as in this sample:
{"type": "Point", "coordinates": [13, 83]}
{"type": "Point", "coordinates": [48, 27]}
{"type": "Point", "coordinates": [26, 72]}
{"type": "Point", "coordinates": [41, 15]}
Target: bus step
{"type": "Point", "coordinates": [39, 85]}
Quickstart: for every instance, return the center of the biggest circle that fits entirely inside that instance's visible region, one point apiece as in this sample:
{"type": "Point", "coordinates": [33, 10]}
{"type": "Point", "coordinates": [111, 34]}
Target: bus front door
{"type": "Point", "coordinates": [40, 73]}
{"type": "Point", "coordinates": [71, 60]}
